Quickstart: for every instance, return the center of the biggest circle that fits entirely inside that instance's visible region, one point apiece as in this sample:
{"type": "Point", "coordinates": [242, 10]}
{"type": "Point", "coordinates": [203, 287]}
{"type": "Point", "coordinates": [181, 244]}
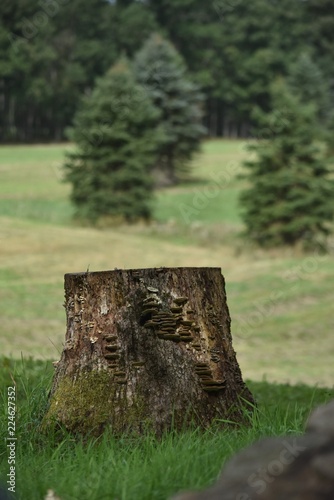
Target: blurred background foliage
{"type": "Point", "coordinates": [259, 70]}
{"type": "Point", "coordinates": [52, 51]}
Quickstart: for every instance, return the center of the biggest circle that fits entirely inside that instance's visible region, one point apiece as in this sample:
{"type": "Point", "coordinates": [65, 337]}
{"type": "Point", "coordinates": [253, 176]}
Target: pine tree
{"type": "Point", "coordinates": [162, 73]}
{"type": "Point", "coordinates": [290, 198]}
{"type": "Point", "coordinates": [116, 135]}
{"type": "Point", "coordinates": [309, 84]}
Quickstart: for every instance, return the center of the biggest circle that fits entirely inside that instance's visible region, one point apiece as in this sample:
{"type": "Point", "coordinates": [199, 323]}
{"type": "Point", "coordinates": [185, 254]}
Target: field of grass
{"type": "Point", "coordinates": [141, 468]}
{"type": "Point", "coordinates": [280, 302]}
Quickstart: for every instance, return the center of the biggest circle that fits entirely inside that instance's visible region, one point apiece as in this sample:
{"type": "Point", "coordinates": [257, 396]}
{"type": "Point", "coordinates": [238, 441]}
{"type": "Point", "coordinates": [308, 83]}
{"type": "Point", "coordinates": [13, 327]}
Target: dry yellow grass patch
{"type": "Point", "coordinates": [39, 255]}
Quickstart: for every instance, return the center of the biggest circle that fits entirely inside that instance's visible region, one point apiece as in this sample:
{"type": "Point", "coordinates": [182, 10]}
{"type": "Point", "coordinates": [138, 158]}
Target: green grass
{"type": "Point", "coordinates": [31, 186]}
{"type": "Point", "coordinates": [132, 467]}
{"type": "Point", "coordinates": [280, 303]}
{"type": "Point", "coordinates": [277, 338]}
{"type": "Point", "coordinates": [183, 206]}
{"type": "Point", "coordinates": [210, 196]}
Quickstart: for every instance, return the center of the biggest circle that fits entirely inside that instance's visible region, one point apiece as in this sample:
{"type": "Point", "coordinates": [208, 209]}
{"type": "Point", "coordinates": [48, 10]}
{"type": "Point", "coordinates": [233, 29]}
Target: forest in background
{"type": "Point", "coordinates": [52, 51]}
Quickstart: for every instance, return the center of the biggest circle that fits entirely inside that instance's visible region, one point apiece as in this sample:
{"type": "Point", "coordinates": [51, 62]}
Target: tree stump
{"type": "Point", "coordinates": [146, 349]}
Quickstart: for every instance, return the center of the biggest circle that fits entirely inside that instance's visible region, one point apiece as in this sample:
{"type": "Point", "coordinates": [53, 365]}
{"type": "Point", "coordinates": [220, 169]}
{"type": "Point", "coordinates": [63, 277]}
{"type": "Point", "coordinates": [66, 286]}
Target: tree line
{"type": "Point", "coordinates": [137, 130]}
{"type": "Point", "coordinates": [52, 52]}
{"type": "Point", "coordinates": [141, 125]}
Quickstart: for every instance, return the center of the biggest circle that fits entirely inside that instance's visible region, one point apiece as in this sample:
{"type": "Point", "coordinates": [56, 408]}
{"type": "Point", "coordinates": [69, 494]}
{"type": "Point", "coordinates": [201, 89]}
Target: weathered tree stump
{"type": "Point", "coordinates": [146, 348]}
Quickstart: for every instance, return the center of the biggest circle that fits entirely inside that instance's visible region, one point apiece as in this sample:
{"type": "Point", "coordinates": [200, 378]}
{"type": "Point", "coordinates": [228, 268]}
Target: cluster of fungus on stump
{"type": "Point", "coordinates": [177, 324]}
{"type": "Point", "coordinates": [112, 356]}
{"type": "Point", "coordinates": [215, 357]}
{"type": "Point", "coordinates": [138, 364]}
{"type": "Point", "coordinates": [204, 372]}
{"type": "Point", "coordinates": [167, 324]}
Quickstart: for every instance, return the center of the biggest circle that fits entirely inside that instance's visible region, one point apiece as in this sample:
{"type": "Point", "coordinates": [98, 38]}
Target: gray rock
{"type": "Point", "coordinates": [287, 468]}
{"type": "Point", "coordinates": [322, 420]}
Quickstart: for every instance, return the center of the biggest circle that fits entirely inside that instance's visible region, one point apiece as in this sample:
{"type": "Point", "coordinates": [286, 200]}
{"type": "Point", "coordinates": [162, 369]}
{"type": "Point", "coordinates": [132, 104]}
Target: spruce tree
{"type": "Point", "coordinates": [162, 73]}
{"type": "Point", "coordinates": [310, 85]}
{"type": "Point", "coordinates": [290, 197]}
{"type": "Point", "coordinates": [116, 137]}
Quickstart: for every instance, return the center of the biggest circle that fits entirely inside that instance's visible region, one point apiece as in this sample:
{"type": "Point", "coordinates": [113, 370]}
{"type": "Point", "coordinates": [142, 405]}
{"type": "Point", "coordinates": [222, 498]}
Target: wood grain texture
{"type": "Point", "coordinates": [146, 348]}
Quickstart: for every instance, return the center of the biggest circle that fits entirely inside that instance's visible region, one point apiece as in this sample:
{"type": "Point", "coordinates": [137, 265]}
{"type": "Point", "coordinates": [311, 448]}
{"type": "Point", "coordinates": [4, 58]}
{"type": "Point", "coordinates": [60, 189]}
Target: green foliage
{"type": "Point", "coordinates": [309, 83]}
{"type": "Point", "coordinates": [291, 192]}
{"type": "Point", "coordinates": [319, 18]}
{"type": "Point", "coordinates": [130, 25]}
{"type": "Point", "coordinates": [162, 73]}
{"type": "Point", "coordinates": [49, 61]}
{"type": "Point", "coordinates": [117, 136]}
{"type": "Point", "coordinates": [233, 49]}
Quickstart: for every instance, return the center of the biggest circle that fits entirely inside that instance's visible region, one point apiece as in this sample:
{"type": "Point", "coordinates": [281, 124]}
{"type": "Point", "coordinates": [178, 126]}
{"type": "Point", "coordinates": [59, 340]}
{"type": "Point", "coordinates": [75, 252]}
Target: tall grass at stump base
{"type": "Point", "coordinates": [127, 467]}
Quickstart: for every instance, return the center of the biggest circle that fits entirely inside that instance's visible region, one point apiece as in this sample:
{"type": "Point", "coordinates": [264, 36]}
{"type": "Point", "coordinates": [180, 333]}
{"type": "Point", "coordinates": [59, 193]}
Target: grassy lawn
{"type": "Point", "coordinates": [132, 467]}
{"type": "Point", "coordinates": [31, 186]}
{"type": "Point", "coordinates": [280, 302]}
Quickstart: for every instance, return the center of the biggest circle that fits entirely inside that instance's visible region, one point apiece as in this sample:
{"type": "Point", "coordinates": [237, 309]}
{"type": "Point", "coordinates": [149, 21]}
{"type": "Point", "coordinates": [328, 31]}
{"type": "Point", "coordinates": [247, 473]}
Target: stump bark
{"type": "Point", "coordinates": [146, 349]}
